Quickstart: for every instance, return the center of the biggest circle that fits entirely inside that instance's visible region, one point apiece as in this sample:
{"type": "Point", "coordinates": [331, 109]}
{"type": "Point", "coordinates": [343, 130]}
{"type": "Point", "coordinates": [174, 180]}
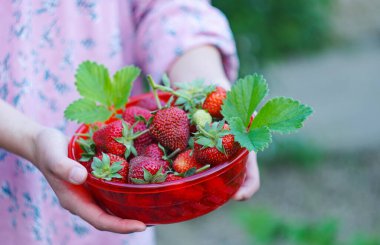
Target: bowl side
{"type": "Point", "coordinates": [186, 202]}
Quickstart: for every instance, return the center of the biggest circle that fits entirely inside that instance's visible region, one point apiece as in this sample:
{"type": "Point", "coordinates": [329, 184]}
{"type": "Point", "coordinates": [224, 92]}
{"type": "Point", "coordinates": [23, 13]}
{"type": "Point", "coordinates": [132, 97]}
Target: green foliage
{"type": "Point", "coordinates": [93, 82]}
{"type": "Point", "coordinates": [266, 228]}
{"type": "Point", "coordinates": [244, 96]}
{"type": "Point", "coordinates": [267, 29]}
{"type": "Point", "coordinates": [280, 115]}
{"type": "Point", "coordinates": [191, 95]}
{"type": "Point", "coordinates": [87, 111]}
{"type": "Point", "coordinates": [102, 96]}
{"type": "Point", "coordinates": [294, 150]}
{"type": "Point", "coordinates": [122, 85]}
{"type": "Point", "coordinates": [365, 240]}
{"type": "Point", "coordinates": [256, 139]}
{"type": "Point", "coordinates": [261, 225]}
{"type": "Point", "coordinates": [102, 168]}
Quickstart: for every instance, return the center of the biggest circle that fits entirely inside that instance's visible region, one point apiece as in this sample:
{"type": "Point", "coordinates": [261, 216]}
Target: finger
{"type": "Point", "coordinates": [57, 161]}
{"type": "Point", "coordinates": [99, 219]}
{"type": "Point", "coordinates": [252, 181]}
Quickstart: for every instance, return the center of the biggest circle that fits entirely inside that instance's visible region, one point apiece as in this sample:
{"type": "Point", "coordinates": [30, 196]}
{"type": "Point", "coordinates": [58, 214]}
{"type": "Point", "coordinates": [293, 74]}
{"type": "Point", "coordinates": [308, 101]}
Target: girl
{"type": "Point", "coordinates": [41, 43]}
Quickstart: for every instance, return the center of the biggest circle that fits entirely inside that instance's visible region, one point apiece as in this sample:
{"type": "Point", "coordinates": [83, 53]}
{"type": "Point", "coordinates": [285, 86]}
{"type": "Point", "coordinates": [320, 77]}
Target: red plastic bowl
{"type": "Point", "coordinates": [168, 202]}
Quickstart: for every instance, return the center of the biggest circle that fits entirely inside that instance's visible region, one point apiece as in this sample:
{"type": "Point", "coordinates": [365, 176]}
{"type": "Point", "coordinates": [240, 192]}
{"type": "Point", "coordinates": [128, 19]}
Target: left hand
{"type": "Point", "coordinates": [206, 62]}
{"type": "Point", "coordinates": [251, 183]}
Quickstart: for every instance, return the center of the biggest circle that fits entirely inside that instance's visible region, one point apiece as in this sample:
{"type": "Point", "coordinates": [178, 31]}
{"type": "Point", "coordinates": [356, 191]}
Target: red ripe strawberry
{"type": "Point", "coordinates": [110, 167]}
{"type": "Point", "coordinates": [129, 116]}
{"type": "Point", "coordinates": [132, 111]}
{"type": "Point", "coordinates": [214, 101]}
{"type": "Point", "coordinates": [116, 138]}
{"type": "Point", "coordinates": [185, 161]}
{"type": "Point", "coordinates": [170, 127]}
{"type": "Point", "coordinates": [214, 144]}
{"type": "Point", "coordinates": [149, 104]}
{"type": "Point", "coordinates": [172, 177]}
{"type": "Point", "coordinates": [153, 151]}
{"type": "Point", "coordinates": [145, 170]}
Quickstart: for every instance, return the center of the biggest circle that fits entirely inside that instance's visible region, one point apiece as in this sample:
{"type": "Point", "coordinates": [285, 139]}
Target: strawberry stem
{"type": "Point", "coordinates": [165, 89]}
{"type": "Point", "coordinates": [140, 133]}
{"type": "Point", "coordinates": [204, 132]}
{"type": "Point", "coordinates": [83, 135]}
{"type": "Point", "coordinates": [171, 155]}
{"type": "Point", "coordinates": [202, 168]}
{"type": "Point", "coordinates": [172, 91]}
{"type": "Point", "coordinates": [154, 88]}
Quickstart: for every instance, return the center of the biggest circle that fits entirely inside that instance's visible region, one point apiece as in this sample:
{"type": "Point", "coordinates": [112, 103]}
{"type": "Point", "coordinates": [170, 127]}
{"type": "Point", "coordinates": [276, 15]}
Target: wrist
{"type": "Point", "coordinates": [33, 136]}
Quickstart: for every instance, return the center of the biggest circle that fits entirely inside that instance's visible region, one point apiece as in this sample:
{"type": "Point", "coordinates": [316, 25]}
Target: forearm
{"type": "Point", "coordinates": [203, 62]}
{"type": "Point", "coordinates": [17, 132]}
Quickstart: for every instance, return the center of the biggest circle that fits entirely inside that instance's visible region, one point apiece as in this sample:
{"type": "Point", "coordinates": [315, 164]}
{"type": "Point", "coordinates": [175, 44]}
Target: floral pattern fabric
{"type": "Point", "coordinates": [41, 44]}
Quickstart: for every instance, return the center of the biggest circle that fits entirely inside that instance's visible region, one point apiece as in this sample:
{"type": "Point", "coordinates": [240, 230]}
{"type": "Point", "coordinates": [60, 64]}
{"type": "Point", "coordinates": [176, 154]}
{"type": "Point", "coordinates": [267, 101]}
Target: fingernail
{"type": "Point", "coordinates": [142, 228]}
{"type": "Point", "coordinates": [238, 196]}
{"type": "Point", "coordinates": [77, 175]}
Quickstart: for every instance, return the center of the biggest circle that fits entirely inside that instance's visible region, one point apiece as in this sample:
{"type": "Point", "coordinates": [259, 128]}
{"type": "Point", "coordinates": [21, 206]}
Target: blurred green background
{"type": "Point", "coordinates": [320, 186]}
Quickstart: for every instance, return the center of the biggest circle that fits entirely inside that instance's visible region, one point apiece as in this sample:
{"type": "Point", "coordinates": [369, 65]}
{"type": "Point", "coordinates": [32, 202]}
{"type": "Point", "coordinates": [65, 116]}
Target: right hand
{"type": "Point", "coordinates": [65, 176]}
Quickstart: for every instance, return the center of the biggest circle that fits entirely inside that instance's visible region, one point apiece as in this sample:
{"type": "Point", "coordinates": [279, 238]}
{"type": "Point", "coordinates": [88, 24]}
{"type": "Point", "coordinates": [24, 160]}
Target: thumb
{"type": "Point", "coordinates": [73, 172]}
{"type": "Point", "coordinates": [69, 171]}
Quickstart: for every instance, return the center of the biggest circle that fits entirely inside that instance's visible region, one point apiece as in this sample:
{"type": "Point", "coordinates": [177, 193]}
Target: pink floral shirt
{"type": "Point", "coordinates": [41, 44]}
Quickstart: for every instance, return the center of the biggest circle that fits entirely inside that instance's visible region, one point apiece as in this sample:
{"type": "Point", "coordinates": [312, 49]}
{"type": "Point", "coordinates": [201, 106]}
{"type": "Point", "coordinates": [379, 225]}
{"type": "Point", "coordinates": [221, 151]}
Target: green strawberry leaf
{"type": "Point", "coordinates": [86, 111]}
{"type": "Point", "coordinates": [206, 142]}
{"type": "Point", "coordinates": [122, 85]}
{"type": "Point", "coordinates": [85, 157]}
{"type": "Point", "coordinates": [166, 80]}
{"type": "Point", "coordinates": [256, 139]}
{"type": "Point", "coordinates": [116, 175]}
{"type": "Point", "coordinates": [282, 115]}
{"type": "Point", "coordinates": [138, 181]}
{"type": "Point", "coordinates": [244, 97]}
{"type": "Point", "coordinates": [180, 101]}
{"type": "Point", "coordinates": [159, 178]}
{"type": "Point", "coordinates": [93, 83]}
{"type": "Point", "coordinates": [115, 167]}
{"type": "Point", "coordinates": [96, 164]}
{"type": "Point", "coordinates": [190, 172]}
{"type": "Point", "coordinates": [147, 175]}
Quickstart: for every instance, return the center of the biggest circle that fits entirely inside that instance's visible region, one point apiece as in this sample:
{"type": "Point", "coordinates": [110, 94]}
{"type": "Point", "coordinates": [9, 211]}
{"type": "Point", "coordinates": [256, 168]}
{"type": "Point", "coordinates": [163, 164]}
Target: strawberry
{"type": "Point", "coordinates": [158, 152]}
{"type": "Point", "coordinates": [201, 117]}
{"type": "Point", "coordinates": [214, 144]}
{"type": "Point", "coordinates": [185, 161]}
{"type": "Point", "coordinates": [131, 112]}
{"type": "Point", "coordinates": [116, 138]}
{"type": "Point", "coordinates": [172, 177]}
{"type": "Point", "coordinates": [153, 151]}
{"type": "Point", "coordinates": [145, 170]}
{"type": "Point", "coordinates": [129, 115]}
{"type": "Point", "coordinates": [170, 127]}
{"type": "Point", "coordinates": [110, 167]}
{"type": "Point", "coordinates": [149, 104]}
{"type": "Point", "coordinates": [214, 101]}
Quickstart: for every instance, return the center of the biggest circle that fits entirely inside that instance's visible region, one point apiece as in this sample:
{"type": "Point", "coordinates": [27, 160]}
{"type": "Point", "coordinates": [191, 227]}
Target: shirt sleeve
{"type": "Point", "coordinates": [166, 29]}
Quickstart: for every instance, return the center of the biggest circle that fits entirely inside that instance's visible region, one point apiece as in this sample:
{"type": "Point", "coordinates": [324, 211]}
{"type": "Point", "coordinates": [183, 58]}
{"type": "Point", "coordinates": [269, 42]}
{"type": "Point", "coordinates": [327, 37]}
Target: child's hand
{"type": "Point", "coordinates": [65, 176]}
{"type": "Point", "coordinates": [252, 180]}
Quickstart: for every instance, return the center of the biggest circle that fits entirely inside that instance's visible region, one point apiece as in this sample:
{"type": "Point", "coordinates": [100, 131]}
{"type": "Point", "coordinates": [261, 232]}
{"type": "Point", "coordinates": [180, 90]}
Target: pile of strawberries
{"type": "Point", "coordinates": [156, 142]}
